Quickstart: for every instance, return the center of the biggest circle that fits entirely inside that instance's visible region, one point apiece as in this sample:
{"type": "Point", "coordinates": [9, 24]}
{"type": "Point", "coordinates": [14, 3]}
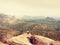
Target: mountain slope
{"type": "Point", "coordinates": [22, 39]}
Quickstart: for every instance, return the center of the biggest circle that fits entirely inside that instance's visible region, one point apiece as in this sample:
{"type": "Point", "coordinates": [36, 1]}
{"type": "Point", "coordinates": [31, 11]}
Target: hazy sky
{"type": "Point", "coordinates": [20, 8]}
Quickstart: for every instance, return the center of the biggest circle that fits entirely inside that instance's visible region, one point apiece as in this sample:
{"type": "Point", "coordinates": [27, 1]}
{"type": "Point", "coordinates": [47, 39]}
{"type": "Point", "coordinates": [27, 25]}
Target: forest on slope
{"type": "Point", "coordinates": [45, 26]}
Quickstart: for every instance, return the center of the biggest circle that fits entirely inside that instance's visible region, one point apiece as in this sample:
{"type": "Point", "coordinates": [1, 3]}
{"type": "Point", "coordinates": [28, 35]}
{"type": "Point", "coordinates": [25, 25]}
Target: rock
{"type": "Point", "coordinates": [2, 43]}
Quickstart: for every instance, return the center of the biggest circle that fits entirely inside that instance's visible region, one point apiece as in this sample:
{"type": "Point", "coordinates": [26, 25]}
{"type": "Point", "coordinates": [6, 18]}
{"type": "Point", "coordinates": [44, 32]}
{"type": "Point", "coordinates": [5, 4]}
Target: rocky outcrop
{"type": "Point", "coordinates": [25, 39]}
{"type": "Point", "coordinates": [28, 39]}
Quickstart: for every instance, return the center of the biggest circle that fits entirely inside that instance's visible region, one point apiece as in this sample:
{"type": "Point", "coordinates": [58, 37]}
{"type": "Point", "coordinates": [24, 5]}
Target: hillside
{"type": "Point", "coordinates": [44, 26]}
{"type": "Point", "coordinates": [22, 39]}
{"type": "Point", "coordinates": [25, 39]}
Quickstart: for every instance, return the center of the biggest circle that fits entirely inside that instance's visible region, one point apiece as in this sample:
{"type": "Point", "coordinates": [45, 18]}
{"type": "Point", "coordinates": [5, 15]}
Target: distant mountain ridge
{"type": "Point", "coordinates": [33, 17]}
{"type": "Point", "coordinates": [6, 20]}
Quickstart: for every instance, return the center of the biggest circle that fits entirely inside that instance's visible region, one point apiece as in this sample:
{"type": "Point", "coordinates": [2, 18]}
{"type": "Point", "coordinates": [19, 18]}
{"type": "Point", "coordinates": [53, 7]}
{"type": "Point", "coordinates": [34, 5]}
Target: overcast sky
{"type": "Point", "coordinates": [20, 8]}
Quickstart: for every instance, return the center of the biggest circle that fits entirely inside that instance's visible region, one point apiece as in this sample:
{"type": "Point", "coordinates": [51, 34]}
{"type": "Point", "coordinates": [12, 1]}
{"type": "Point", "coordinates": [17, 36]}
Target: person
{"type": "Point", "coordinates": [27, 32]}
{"type": "Point", "coordinates": [32, 40]}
